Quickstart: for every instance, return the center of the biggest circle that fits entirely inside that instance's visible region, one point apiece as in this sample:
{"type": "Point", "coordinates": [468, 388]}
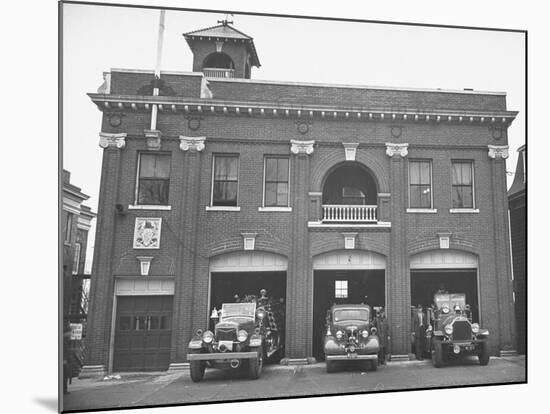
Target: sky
{"type": "Point", "coordinates": [98, 38]}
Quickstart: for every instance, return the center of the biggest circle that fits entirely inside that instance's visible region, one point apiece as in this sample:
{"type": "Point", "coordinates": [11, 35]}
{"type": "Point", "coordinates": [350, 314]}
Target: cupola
{"type": "Point", "coordinates": [222, 51]}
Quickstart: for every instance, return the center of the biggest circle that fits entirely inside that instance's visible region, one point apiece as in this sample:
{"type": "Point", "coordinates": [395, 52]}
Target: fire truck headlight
{"type": "Point", "coordinates": [207, 337]}
{"type": "Point", "coordinates": [449, 329]}
{"type": "Point", "coordinates": [339, 334]}
{"type": "Point", "coordinates": [475, 328]}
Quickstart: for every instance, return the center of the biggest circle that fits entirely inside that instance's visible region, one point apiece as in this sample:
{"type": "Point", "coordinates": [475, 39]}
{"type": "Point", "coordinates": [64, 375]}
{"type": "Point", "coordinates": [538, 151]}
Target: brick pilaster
{"type": "Point", "coordinates": [186, 267]}
{"type": "Point", "coordinates": [102, 283]}
{"type": "Point", "coordinates": [299, 319]}
{"type": "Point", "coordinates": [503, 275]}
{"type": "Point", "coordinates": [398, 286]}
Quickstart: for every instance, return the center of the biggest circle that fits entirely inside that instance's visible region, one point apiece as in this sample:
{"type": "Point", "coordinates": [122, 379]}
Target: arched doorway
{"type": "Point", "coordinates": [452, 270]}
{"type": "Point", "coordinates": [245, 273]}
{"type": "Point", "coordinates": [350, 195]}
{"type": "Point", "coordinates": [345, 276]}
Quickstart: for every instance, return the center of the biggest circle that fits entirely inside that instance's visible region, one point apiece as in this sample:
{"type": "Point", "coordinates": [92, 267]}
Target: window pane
{"type": "Point", "coordinates": [225, 193]}
{"type": "Point", "coordinates": [147, 165]}
{"type": "Point", "coordinates": [162, 166]}
{"type": "Point", "coordinates": [467, 199]}
{"type": "Point", "coordinates": [271, 169]}
{"type": "Point", "coordinates": [140, 323]}
{"type": "Point", "coordinates": [282, 169]}
{"type": "Point", "coordinates": [424, 173]}
{"type": "Point", "coordinates": [414, 173]}
{"type": "Point", "coordinates": [125, 323]}
{"type": "Point", "coordinates": [456, 173]}
{"type": "Point", "coordinates": [153, 191]}
{"type": "Point", "coordinates": [164, 322]}
{"type": "Point", "coordinates": [282, 194]}
{"type": "Point", "coordinates": [466, 173]}
{"type": "Point", "coordinates": [154, 322]}
{"type": "Point", "coordinates": [270, 194]}
{"type": "Point", "coordinates": [225, 168]}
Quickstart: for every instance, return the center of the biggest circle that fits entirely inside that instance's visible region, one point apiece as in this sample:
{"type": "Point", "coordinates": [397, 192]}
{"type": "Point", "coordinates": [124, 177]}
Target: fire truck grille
{"type": "Point", "coordinates": [462, 330]}
{"type": "Point", "coordinates": [226, 334]}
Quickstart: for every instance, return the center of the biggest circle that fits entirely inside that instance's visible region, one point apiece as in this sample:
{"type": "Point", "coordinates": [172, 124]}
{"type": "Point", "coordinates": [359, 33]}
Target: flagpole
{"type": "Point", "coordinates": [154, 109]}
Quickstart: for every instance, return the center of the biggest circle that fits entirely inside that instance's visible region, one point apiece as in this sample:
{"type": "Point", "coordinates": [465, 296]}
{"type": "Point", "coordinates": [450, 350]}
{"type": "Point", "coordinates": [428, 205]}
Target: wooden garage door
{"type": "Point", "coordinates": [143, 333]}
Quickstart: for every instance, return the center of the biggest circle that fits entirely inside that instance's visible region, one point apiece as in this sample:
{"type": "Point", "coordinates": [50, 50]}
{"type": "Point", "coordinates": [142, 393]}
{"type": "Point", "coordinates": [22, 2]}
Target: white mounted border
{"type": "Point", "coordinates": [147, 233]}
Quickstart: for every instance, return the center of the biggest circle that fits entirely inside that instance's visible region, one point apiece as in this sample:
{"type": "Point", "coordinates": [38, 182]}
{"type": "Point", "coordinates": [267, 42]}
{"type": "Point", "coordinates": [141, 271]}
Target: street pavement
{"type": "Point", "coordinates": [144, 389]}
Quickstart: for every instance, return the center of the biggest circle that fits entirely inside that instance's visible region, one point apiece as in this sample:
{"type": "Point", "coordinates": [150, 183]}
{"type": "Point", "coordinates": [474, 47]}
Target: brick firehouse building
{"type": "Point", "coordinates": [318, 193]}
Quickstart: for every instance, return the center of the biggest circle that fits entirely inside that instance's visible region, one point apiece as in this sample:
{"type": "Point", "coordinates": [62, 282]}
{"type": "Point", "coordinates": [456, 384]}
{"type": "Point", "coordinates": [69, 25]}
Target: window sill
{"type": "Point", "coordinates": [223, 208]}
{"type": "Point", "coordinates": [422, 210]}
{"type": "Point", "coordinates": [267, 209]}
{"type": "Point", "coordinates": [148, 207]}
{"type": "Point", "coordinates": [464, 210]}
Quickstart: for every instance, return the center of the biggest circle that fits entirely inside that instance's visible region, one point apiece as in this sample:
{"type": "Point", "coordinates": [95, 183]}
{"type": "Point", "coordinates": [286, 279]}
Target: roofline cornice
{"type": "Point", "coordinates": [287, 110]}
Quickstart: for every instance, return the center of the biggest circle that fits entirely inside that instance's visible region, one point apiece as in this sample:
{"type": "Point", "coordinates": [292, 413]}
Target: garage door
{"type": "Point", "coordinates": [143, 333]}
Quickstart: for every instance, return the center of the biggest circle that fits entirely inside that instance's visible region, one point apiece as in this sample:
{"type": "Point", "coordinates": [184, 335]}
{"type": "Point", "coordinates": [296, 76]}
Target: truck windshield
{"type": "Point", "coordinates": [450, 299]}
{"type": "Point", "coordinates": [354, 314]}
{"type": "Point", "coordinates": [238, 310]}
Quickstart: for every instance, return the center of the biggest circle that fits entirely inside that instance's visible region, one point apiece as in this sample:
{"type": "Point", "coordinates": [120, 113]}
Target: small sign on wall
{"type": "Point", "coordinates": [76, 331]}
{"type": "Point", "coordinates": [147, 233]}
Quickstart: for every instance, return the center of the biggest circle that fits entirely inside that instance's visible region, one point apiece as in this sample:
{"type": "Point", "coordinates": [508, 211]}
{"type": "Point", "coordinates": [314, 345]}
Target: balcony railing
{"type": "Point", "coordinates": [218, 73]}
{"type": "Point", "coordinates": [338, 213]}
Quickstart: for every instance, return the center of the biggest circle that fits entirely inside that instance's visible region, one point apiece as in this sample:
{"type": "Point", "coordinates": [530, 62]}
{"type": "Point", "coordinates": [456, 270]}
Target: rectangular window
{"type": "Point", "coordinates": [462, 184]}
{"type": "Point", "coordinates": [225, 186]}
{"type": "Point", "coordinates": [276, 182]}
{"type": "Point", "coordinates": [69, 227]}
{"type": "Point", "coordinates": [341, 289]}
{"type": "Point", "coordinates": [76, 258]}
{"type": "Point", "coordinates": [420, 184]}
{"type": "Point", "coordinates": [153, 179]}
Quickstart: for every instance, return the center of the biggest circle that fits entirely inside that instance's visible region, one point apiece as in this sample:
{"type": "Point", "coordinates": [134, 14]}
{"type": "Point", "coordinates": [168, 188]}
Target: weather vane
{"type": "Point", "coordinates": [225, 21]}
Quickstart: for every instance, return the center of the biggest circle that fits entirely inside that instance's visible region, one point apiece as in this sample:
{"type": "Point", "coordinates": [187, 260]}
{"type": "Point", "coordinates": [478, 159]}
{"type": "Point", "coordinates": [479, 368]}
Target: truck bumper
{"type": "Point", "coordinates": [351, 357]}
{"type": "Point", "coordinates": [222, 356]}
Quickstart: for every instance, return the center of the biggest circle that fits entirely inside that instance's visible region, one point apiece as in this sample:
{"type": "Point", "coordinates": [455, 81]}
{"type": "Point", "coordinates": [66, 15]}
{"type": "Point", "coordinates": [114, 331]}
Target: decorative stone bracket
{"type": "Point", "coordinates": [498, 151]}
{"type": "Point", "coordinates": [301, 147]}
{"type": "Point", "coordinates": [192, 143]}
{"type": "Point", "coordinates": [396, 149]}
{"type": "Point", "coordinates": [153, 139]}
{"type": "Point", "coordinates": [107, 140]}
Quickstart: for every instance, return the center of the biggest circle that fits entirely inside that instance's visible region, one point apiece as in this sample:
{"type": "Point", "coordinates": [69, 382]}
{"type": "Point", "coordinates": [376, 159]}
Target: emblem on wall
{"type": "Point", "coordinates": [147, 233]}
{"type": "Point", "coordinates": [303, 127]}
{"type": "Point", "coordinates": [497, 132]}
{"type": "Point", "coordinates": [115, 118]}
{"type": "Point", "coordinates": [193, 123]}
{"type": "Point", "coordinates": [396, 131]}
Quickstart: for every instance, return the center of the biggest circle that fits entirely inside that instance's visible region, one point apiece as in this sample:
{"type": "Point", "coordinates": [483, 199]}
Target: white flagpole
{"type": "Point", "coordinates": [154, 108]}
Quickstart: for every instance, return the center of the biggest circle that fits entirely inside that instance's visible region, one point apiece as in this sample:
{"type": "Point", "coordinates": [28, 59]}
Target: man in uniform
{"type": "Point", "coordinates": [419, 330]}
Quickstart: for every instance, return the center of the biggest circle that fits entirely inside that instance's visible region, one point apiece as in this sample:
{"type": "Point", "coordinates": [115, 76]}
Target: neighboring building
{"type": "Point", "coordinates": [517, 203]}
{"type": "Point", "coordinates": [76, 219]}
{"type": "Point", "coordinates": [318, 193]}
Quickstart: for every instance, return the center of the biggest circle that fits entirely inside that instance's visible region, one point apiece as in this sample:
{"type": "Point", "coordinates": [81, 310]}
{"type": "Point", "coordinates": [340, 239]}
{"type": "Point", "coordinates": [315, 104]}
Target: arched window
{"type": "Point", "coordinates": [218, 60]}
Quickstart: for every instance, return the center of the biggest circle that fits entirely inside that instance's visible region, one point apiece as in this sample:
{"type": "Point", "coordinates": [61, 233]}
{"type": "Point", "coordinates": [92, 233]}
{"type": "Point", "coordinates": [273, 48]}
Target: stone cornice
{"type": "Point", "coordinates": [171, 104]}
{"type": "Point", "coordinates": [107, 140]}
